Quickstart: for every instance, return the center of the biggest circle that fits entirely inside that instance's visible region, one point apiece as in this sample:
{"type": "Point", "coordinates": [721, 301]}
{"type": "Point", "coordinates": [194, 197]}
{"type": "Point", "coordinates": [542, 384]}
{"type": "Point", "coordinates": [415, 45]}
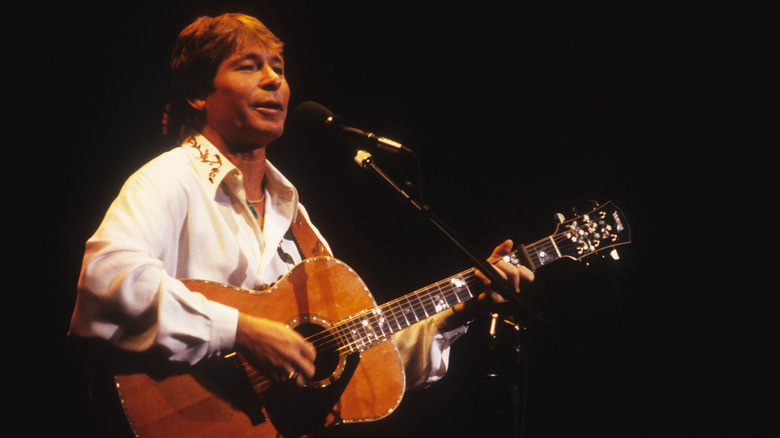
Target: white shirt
{"type": "Point", "coordinates": [184, 215]}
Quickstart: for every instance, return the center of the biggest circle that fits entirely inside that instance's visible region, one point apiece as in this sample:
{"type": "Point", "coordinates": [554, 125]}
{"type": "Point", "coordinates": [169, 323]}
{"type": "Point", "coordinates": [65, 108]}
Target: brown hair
{"type": "Point", "coordinates": [200, 49]}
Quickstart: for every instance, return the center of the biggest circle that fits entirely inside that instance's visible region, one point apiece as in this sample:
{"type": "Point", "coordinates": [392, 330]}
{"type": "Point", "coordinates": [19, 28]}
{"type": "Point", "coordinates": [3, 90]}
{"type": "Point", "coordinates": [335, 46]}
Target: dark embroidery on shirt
{"type": "Point", "coordinates": [287, 258]}
{"type": "Point", "coordinates": [206, 157]}
{"type": "Point", "coordinates": [291, 237]}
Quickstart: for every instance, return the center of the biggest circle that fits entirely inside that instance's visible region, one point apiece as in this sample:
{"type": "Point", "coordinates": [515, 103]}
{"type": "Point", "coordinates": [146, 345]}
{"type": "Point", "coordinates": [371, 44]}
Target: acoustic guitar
{"type": "Point", "coordinates": [359, 375]}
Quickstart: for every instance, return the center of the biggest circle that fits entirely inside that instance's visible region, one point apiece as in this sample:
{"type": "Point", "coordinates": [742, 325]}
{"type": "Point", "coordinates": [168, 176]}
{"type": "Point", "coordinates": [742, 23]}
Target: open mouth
{"type": "Point", "coordinates": [275, 106]}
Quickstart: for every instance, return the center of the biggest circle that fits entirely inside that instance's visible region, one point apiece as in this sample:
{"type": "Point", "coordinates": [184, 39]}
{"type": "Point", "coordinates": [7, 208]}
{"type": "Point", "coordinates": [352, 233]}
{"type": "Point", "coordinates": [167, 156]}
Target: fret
{"type": "Point", "coordinates": [461, 288]}
{"type": "Point", "coordinates": [399, 312]}
{"type": "Point", "coordinates": [447, 296]}
{"type": "Point", "coordinates": [533, 254]}
{"type": "Point", "coordinates": [433, 300]}
{"type": "Point", "coordinates": [557, 251]}
{"type": "Point", "coordinates": [342, 336]}
{"type": "Point", "coordinates": [417, 310]}
{"type": "Point", "coordinates": [542, 252]}
{"type": "Point", "coordinates": [390, 310]}
{"type": "Point", "coordinates": [363, 328]}
{"type": "Point", "coordinates": [428, 300]}
{"type": "Point", "coordinates": [366, 329]}
{"type": "Point", "coordinates": [380, 323]}
{"type": "Point", "coordinates": [408, 311]}
{"type": "Point", "coordinates": [449, 292]}
{"type": "Point", "coordinates": [344, 340]}
{"type": "Point", "coordinates": [357, 334]}
{"type": "Point", "coordinates": [440, 303]}
{"type": "Point", "coordinates": [370, 327]}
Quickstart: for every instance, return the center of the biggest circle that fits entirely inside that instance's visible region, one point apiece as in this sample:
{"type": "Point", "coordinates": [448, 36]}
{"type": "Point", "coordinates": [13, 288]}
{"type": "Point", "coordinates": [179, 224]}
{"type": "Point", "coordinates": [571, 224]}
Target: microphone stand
{"type": "Point", "coordinates": [497, 282]}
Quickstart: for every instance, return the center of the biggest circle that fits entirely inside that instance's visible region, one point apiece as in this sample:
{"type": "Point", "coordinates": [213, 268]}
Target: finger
{"type": "Point", "coordinates": [307, 368]}
{"type": "Point", "coordinates": [309, 351]}
{"type": "Point", "coordinates": [503, 249]}
{"type": "Point", "coordinates": [526, 275]}
{"type": "Point", "coordinates": [483, 277]}
{"type": "Point", "coordinates": [509, 272]}
{"type": "Point", "coordinates": [296, 369]}
{"type": "Point", "coordinates": [293, 360]}
{"type": "Point", "coordinates": [303, 361]}
{"type": "Point", "coordinates": [485, 280]}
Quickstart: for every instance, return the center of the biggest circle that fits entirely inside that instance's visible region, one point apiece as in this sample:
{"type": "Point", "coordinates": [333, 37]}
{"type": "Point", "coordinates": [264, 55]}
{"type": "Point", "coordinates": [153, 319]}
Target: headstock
{"type": "Point", "coordinates": [602, 228]}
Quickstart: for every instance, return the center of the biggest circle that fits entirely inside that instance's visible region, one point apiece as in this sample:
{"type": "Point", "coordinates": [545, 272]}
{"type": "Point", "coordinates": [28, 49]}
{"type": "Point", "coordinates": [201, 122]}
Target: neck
{"type": "Point", "coordinates": [253, 171]}
{"type": "Point", "coordinates": [250, 160]}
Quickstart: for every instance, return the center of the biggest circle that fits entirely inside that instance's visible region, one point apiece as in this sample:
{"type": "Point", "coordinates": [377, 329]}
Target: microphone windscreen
{"type": "Point", "coordinates": [310, 115]}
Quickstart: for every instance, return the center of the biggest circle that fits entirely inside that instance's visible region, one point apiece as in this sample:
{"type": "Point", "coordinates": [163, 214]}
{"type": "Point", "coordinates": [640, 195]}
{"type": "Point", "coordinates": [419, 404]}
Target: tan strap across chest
{"type": "Point", "coordinates": [308, 242]}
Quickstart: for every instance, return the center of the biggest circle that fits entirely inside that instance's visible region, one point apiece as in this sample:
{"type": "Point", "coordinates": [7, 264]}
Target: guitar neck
{"type": "Point", "coordinates": [373, 326]}
{"type": "Point", "coordinates": [603, 228]}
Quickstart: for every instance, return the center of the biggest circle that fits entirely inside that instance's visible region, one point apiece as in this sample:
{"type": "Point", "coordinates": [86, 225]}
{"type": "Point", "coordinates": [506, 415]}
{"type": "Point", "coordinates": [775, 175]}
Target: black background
{"type": "Point", "coordinates": [516, 110]}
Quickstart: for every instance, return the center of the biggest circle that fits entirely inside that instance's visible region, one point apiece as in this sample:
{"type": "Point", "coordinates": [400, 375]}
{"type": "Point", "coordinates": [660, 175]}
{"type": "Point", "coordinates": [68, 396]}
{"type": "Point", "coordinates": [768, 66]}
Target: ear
{"type": "Point", "coordinates": [198, 103]}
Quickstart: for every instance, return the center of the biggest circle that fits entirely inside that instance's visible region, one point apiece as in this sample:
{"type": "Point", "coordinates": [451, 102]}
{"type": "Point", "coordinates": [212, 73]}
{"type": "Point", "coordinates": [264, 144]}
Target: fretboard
{"type": "Point", "coordinates": [372, 326]}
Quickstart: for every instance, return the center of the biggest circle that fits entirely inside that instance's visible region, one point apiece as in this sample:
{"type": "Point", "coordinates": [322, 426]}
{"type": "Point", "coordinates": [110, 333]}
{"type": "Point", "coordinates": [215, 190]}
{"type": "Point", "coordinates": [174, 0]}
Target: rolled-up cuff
{"type": "Point", "coordinates": [223, 329]}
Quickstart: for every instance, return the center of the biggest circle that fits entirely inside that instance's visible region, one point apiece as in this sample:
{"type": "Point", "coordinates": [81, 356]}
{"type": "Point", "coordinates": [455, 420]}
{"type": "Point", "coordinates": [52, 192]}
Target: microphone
{"type": "Point", "coordinates": [313, 116]}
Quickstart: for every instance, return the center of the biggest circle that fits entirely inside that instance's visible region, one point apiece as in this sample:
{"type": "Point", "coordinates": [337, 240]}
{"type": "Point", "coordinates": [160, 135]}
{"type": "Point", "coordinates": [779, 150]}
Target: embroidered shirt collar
{"type": "Point", "coordinates": [213, 167]}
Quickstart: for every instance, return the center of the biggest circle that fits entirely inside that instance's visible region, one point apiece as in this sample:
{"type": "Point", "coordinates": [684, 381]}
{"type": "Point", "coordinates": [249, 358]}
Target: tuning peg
{"type": "Point", "coordinates": [593, 204]}
{"type": "Point", "coordinates": [560, 218]}
{"type": "Point", "coordinates": [614, 254]}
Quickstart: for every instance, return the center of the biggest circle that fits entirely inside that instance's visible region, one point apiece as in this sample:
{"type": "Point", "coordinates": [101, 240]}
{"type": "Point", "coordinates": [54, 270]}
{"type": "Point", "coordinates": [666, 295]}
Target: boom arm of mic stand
{"type": "Point", "coordinates": [497, 283]}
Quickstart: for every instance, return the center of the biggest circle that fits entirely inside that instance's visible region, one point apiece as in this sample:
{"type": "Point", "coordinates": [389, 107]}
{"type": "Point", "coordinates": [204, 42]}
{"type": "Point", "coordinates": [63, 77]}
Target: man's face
{"type": "Point", "coordinates": [248, 106]}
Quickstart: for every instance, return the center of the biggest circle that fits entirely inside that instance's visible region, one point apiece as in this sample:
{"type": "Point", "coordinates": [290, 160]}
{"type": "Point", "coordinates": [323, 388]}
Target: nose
{"type": "Point", "coordinates": [270, 80]}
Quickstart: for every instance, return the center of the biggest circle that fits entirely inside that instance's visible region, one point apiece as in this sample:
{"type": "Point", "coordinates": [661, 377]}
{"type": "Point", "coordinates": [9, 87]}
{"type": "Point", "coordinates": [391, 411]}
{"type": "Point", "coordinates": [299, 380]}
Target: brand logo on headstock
{"type": "Point", "coordinates": [618, 222]}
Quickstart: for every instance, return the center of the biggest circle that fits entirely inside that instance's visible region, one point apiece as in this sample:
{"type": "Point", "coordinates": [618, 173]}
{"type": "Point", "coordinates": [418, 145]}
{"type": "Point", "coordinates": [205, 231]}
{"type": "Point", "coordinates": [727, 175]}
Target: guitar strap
{"type": "Point", "coordinates": [307, 241]}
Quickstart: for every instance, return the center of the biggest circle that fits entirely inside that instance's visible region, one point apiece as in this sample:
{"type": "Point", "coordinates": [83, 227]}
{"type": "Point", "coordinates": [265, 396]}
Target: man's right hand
{"type": "Point", "coordinates": [278, 350]}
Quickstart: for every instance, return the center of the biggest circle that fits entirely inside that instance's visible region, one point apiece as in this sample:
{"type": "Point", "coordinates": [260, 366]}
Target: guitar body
{"type": "Point", "coordinates": [364, 386]}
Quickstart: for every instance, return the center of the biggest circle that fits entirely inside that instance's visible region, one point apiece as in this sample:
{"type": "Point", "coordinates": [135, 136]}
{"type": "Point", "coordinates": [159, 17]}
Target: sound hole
{"type": "Point", "coordinates": [328, 359]}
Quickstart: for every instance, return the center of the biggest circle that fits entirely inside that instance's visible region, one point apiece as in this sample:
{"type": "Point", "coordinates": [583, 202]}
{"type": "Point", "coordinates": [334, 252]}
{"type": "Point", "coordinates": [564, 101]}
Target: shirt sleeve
{"type": "Point", "coordinates": [125, 295]}
{"type": "Point", "coordinates": [425, 349]}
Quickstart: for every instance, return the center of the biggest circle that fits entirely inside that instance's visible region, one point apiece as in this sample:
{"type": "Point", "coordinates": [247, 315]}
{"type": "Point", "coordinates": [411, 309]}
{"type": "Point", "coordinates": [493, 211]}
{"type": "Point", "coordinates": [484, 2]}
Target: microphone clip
{"type": "Point", "coordinates": [364, 138]}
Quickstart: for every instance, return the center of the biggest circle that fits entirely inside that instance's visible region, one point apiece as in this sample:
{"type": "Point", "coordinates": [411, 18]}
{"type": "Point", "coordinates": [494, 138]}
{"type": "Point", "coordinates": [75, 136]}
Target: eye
{"type": "Point", "coordinates": [254, 63]}
{"type": "Point", "coordinates": [278, 68]}
{"type": "Point", "coordinates": [247, 66]}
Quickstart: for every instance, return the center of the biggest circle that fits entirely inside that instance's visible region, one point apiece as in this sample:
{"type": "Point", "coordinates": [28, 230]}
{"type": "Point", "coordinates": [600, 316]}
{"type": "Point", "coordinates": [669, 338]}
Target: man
{"type": "Point", "coordinates": [214, 208]}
